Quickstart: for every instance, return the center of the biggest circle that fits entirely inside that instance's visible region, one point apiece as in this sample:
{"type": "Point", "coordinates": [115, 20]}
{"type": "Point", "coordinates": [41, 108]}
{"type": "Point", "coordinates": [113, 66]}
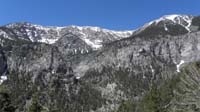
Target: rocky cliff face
{"type": "Point", "coordinates": [89, 69]}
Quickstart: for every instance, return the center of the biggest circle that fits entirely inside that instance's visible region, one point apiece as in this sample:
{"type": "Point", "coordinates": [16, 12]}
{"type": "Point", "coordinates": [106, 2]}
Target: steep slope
{"type": "Point", "coordinates": [177, 94]}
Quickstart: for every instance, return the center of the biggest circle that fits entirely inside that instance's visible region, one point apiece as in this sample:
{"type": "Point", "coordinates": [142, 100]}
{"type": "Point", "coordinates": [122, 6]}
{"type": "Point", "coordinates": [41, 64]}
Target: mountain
{"type": "Point", "coordinates": [89, 69]}
{"type": "Point", "coordinates": [92, 36]}
{"type": "Point", "coordinates": [169, 24]}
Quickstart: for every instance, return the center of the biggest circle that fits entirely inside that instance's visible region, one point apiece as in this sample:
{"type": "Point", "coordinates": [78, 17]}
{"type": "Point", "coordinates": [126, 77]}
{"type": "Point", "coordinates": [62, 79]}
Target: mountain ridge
{"type": "Point", "coordinates": [168, 22]}
{"type": "Point", "coordinates": [153, 70]}
{"type": "Point", "coordinates": [36, 31]}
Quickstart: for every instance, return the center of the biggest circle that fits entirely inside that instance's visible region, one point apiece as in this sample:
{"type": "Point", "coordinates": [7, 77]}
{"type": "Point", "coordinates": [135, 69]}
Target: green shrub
{"type": "Point", "coordinates": [159, 97]}
{"type": "Point", "coordinates": [127, 106]}
{"type": "Point", "coordinates": [35, 105]}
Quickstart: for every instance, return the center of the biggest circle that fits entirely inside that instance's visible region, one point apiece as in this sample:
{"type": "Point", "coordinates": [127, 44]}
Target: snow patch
{"type": "Point", "coordinates": [171, 17]}
{"type": "Point", "coordinates": [75, 51]}
{"type": "Point", "coordinates": [152, 70]}
{"type": "Point", "coordinates": [143, 76]}
{"type": "Point", "coordinates": [178, 65]}
{"type": "Point", "coordinates": [78, 77]}
{"type": "Point", "coordinates": [2, 79]}
{"type": "Point", "coordinates": [92, 44]}
{"type": "Point", "coordinates": [49, 41]}
{"type": "Point", "coordinates": [95, 45]}
{"type": "Point", "coordinates": [168, 17]}
{"type": "Point", "coordinates": [5, 35]}
{"type": "Point", "coordinates": [47, 29]}
{"type": "Point", "coordinates": [189, 22]}
{"type": "Point", "coordinates": [166, 29]}
{"type": "Point", "coordinates": [122, 34]}
{"type": "Point", "coordinates": [96, 29]}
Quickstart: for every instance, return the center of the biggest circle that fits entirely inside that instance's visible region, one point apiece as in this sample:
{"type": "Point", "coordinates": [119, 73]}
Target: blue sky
{"type": "Point", "coordinates": [111, 14]}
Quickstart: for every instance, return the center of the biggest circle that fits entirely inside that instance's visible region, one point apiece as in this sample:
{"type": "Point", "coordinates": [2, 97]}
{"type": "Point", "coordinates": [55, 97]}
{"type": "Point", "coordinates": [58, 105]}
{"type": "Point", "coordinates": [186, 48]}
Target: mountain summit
{"type": "Point", "coordinates": [169, 24]}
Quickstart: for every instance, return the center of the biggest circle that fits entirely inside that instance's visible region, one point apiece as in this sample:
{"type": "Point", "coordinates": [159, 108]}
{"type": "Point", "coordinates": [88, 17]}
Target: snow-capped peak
{"type": "Point", "coordinates": [183, 20]}
{"type": "Point", "coordinates": [174, 18]}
